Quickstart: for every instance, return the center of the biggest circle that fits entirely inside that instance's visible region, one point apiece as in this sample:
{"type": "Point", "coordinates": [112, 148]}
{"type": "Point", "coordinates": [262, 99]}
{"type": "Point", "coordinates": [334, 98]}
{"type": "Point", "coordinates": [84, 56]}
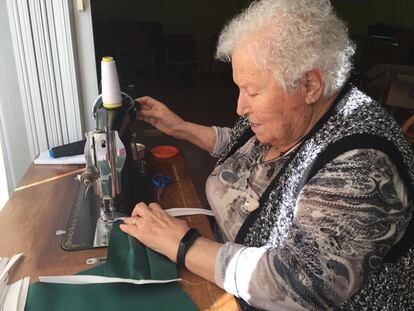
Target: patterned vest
{"type": "Point", "coordinates": [354, 121]}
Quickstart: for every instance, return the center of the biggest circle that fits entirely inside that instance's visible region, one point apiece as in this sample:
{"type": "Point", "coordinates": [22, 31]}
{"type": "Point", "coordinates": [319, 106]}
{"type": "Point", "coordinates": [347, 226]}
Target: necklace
{"type": "Point", "coordinates": [258, 151]}
{"type": "Point", "coordinates": [282, 153]}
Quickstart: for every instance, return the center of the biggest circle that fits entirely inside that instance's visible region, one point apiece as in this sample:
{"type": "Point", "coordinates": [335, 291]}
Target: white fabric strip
{"type": "Point", "coordinates": [184, 211]}
{"type": "Point", "coordinates": [95, 279]}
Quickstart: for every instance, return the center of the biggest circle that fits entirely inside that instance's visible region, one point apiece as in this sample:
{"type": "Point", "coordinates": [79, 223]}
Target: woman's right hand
{"type": "Point", "coordinates": [158, 115]}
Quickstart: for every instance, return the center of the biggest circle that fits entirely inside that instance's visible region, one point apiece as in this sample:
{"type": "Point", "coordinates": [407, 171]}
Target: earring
{"type": "Point", "coordinates": [312, 100]}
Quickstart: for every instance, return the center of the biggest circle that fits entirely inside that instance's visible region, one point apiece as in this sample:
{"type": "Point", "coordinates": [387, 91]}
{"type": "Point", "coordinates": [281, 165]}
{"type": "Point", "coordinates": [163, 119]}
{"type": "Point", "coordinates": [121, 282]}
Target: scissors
{"type": "Point", "coordinates": [159, 182]}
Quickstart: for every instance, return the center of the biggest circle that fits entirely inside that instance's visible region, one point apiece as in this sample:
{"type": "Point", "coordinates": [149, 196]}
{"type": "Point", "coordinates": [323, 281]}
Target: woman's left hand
{"type": "Point", "coordinates": [154, 228]}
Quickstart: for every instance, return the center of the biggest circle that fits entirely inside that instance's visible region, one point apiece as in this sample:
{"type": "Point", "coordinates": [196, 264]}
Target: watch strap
{"type": "Point", "coordinates": [185, 244]}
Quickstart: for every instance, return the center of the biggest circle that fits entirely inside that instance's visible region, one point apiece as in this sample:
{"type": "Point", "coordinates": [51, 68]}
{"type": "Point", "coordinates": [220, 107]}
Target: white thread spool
{"type": "Point", "coordinates": [111, 92]}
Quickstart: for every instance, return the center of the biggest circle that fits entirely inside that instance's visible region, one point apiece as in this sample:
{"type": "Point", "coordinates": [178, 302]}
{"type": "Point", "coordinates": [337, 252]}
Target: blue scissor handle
{"type": "Point", "coordinates": [160, 181]}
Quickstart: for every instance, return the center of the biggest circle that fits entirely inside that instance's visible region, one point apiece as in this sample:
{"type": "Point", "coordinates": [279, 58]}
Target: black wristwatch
{"type": "Point", "coordinates": [185, 244]}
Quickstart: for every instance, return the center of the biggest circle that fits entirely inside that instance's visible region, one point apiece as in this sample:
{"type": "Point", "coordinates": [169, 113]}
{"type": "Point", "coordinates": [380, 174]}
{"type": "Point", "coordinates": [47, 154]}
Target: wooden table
{"type": "Point", "coordinates": [41, 204]}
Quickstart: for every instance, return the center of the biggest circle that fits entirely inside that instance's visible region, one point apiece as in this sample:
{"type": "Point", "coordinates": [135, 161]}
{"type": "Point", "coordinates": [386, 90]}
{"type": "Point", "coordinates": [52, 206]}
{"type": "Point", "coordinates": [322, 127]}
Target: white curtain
{"type": "Point", "coordinates": [44, 48]}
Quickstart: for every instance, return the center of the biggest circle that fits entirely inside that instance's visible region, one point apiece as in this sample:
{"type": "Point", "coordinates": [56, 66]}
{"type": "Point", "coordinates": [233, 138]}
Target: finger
{"type": "Point", "coordinates": [144, 118]}
{"type": "Point", "coordinates": [131, 220]}
{"type": "Point", "coordinates": [141, 210]}
{"type": "Point", "coordinates": [144, 113]}
{"type": "Point", "coordinates": [131, 230]}
{"type": "Point", "coordinates": [155, 206]}
{"type": "Point", "coordinates": [146, 102]}
{"type": "Point", "coordinates": [150, 120]}
{"type": "Point", "coordinates": [142, 100]}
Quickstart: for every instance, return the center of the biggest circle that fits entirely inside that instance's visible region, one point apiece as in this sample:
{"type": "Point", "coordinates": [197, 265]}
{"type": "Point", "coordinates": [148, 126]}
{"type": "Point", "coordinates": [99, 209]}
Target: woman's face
{"type": "Point", "coordinates": [276, 118]}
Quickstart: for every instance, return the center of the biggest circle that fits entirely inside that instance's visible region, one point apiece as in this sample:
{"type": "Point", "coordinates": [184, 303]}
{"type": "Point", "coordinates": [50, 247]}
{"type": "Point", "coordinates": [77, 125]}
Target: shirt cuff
{"type": "Point", "coordinates": [235, 266]}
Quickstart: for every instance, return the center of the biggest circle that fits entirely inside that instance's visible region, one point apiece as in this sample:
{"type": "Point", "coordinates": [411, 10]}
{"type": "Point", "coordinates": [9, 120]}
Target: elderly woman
{"type": "Point", "coordinates": [312, 190]}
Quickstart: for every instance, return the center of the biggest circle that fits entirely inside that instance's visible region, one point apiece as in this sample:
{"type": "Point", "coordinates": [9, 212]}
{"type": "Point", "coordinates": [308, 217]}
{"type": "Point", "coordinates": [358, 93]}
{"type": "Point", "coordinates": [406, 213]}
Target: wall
{"type": "Point", "coordinates": [15, 141]}
{"type": "Point", "coordinates": [202, 18]}
{"type": "Point", "coordinates": [361, 13]}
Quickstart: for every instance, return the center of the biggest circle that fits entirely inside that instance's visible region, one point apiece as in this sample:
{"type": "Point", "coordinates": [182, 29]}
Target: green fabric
{"type": "Point", "coordinates": [127, 258]}
{"type": "Point", "coordinates": [102, 297]}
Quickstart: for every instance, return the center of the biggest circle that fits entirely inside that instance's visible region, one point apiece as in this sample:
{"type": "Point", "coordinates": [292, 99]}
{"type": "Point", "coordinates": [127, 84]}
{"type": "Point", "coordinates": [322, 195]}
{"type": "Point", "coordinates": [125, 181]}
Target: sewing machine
{"type": "Point", "coordinates": [115, 178]}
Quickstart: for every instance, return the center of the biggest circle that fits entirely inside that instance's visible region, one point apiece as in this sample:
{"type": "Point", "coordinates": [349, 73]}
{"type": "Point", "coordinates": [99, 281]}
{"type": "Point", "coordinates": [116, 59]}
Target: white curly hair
{"type": "Point", "coordinates": [291, 38]}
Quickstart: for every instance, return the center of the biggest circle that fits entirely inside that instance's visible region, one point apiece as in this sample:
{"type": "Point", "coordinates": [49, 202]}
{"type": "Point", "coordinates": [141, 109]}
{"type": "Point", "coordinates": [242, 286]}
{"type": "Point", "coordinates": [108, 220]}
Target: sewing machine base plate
{"type": "Point", "coordinates": [84, 216]}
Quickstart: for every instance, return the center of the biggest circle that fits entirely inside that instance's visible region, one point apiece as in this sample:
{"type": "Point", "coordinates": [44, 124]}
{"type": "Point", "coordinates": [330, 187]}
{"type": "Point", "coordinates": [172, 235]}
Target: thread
{"type": "Point", "coordinates": [111, 92]}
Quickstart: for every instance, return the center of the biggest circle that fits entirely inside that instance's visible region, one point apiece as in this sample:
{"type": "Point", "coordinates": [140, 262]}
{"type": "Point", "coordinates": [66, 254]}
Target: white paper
{"type": "Point", "coordinates": [184, 211]}
{"type": "Point", "coordinates": [16, 295]}
{"type": "Point", "coordinates": [95, 279]}
{"type": "Point", "coordinates": [3, 298]}
{"type": "Point", "coordinates": [3, 285]}
{"type": "Point", "coordinates": [10, 264]}
{"type": "Point", "coordinates": [45, 158]}
{"type": "Point", "coordinates": [12, 297]}
{"type": "Point", "coordinates": [4, 280]}
{"type": "Point", "coordinates": [23, 294]}
{"type": "Point", "coordinates": [3, 263]}
{"type": "Point", "coordinates": [3, 295]}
